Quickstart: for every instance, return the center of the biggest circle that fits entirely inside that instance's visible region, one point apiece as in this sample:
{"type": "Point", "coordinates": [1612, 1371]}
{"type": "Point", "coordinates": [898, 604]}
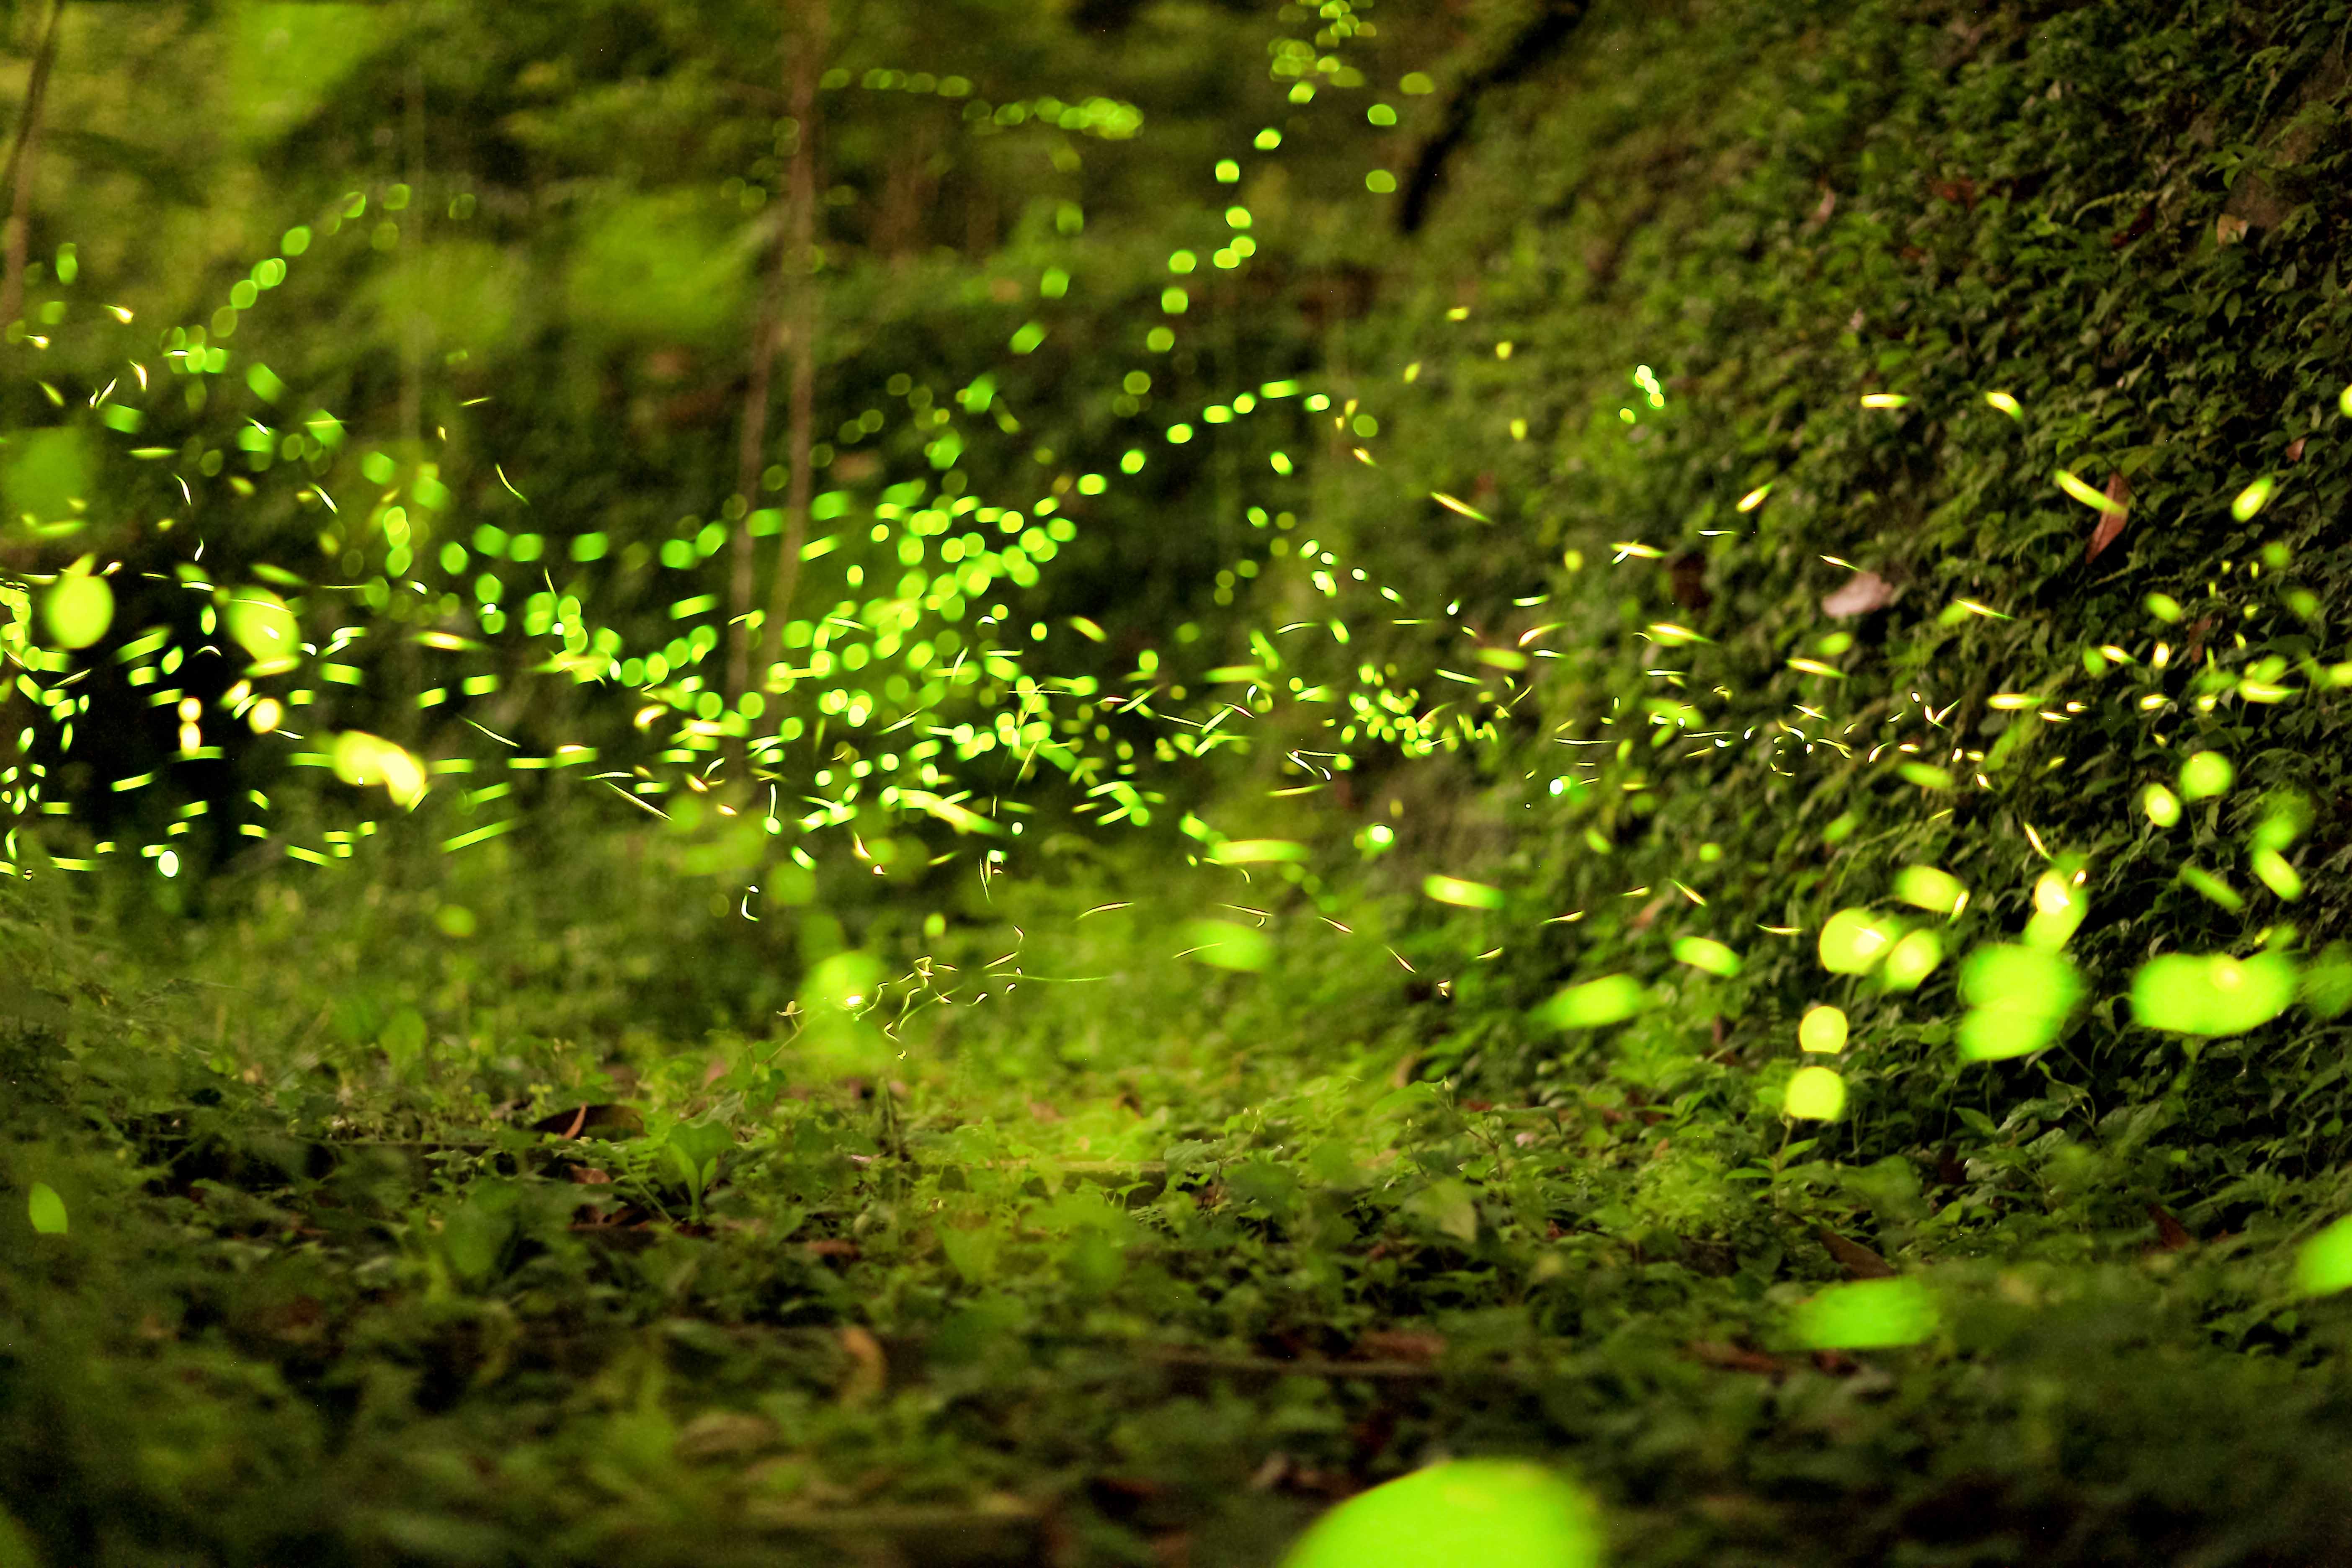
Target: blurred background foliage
{"type": "Point", "coordinates": [1685, 379]}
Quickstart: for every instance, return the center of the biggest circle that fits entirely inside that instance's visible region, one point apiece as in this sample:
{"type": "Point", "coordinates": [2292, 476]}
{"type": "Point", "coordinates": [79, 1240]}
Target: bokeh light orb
{"type": "Point", "coordinates": [1485, 1513]}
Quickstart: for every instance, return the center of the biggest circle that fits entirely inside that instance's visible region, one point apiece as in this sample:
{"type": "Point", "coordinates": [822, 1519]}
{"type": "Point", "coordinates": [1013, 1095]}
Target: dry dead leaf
{"type": "Point", "coordinates": [2171, 1234]}
{"type": "Point", "coordinates": [715, 1433]}
{"type": "Point", "coordinates": [869, 1372]}
{"type": "Point", "coordinates": [1400, 1344]}
{"type": "Point", "coordinates": [1857, 1259]}
{"type": "Point", "coordinates": [2111, 523]}
{"type": "Point", "coordinates": [1734, 1358]}
{"type": "Point", "coordinates": [1864, 592]}
{"type": "Point", "coordinates": [2229, 230]}
{"type": "Point", "coordinates": [2295, 448]}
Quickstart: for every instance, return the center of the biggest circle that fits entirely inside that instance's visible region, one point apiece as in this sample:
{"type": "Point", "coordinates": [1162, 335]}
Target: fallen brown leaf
{"type": "Point", "coordinates": [1687, 580]}
{"type": "Point", "coordinates": [608, 1121]}
{"type": "Point", "coordinates": [717, 1434]}
{"type": "Point", "coordinates": [2229, 230]}
{"type": "Point", "coordinates": [1400, 1344]}
{"type": "Point", "coordinates": [869, 1372]}
{"type": "Point", "coordinates": [1734, 1358]}
{"type": "Point", "coordinates": [2111, 523]}
{"type": "Point", "coordinates": [2142, 221]}
{"type": "Point", "coordinates": [1857, 1259]}
{"type": "Point", "coordinates": [2171, 1234]}
{"type": "Point", "coordinates": [2295, 448]}
{"type": "Point", "coordinates": [1864, 592]}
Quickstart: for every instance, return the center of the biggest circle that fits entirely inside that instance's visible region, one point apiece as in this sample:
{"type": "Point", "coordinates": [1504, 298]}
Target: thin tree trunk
{"type": "Point", "coordinates": [747, 464]}
{"type": "Point", "coordinates": [800, 220]}
{"type": "Point", "coordinates": [24, 152]}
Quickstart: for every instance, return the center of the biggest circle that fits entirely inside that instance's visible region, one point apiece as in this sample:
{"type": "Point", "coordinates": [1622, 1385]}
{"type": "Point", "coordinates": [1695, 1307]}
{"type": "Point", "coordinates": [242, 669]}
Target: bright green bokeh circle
{"type": "Point", "coordinates": [260, 623]}
{"type": "Point", "coordinates": [79, 609]}
{"type": "Point", "coordinates": [1485, 1513]}
{"type": "Point", "coordinates": [1823, 1028]}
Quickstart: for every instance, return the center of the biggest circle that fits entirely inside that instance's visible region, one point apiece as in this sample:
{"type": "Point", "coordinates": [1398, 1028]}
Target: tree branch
{"type": "Point", "coordinates": [23, 154]}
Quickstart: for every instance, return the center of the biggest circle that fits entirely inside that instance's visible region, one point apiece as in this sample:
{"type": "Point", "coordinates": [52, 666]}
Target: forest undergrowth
{"type": "Point", "coordinates": [1810, 995]}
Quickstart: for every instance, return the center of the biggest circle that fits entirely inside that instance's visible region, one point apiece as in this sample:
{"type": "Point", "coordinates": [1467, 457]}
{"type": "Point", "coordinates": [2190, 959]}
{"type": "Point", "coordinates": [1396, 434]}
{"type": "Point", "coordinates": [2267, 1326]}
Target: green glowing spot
{"type": "Point", "coordinates": [1911, 961]}
{"type": "Point", "coordinates": [2163, 607]}
{"type": "Point", "coordinates": [2253, 498]}
{"type": "Point", "coordinates": [78, 610]}
{"type": "Point", "coordinates": [262, 624]}
{"type": "Point", "coordinates": [1379, 181]}
{"type": "Point", "coordinates": [363, 759]}
{"type": "Point", "coordinates": [1610, 999]}
{"type": "Point", "coordinates": [2206, 775]}
{"type": "Point", "coordinates": [2089, 496]}
{"type": "Point", "coordinates": [1926, 775]}
{"type": "Point", "coordinates": [2322, 1266]}
{"type": "Point", "coordinates": [1252, 851]}
{"type": "Point", "coordinates": [1417, 82]}
{"type": "Point", "coordinates": [1705, 953]}
{"type": "Point", "coordinates": [2019, 998]}
{"type": "Point", "coordinates": [1855, 940]}
{"type": "Point", "coordinates": [2276, 875]}
{"type": "Point", "coordinates": [1267, 140]}
{"type": "Point", "coordinates": [1814, 1094]}
{"type": "Point", "coordinates": [1822, 1029]}
{"type": "Point", "coordinates": [2059, 906]}
{"type": "Point", "coordinates": [843, 982]}
{"type": "Point", "coordinates": [1495, 1512]}
{"type": "Point", "coordinates": [1026, 340]}
{"type": "Point", "coordinates": [2163, 806]}
{"type": "Point", "coordinates": [2212, 888]}
{"type": "Point", "coordinates": [1466, 895]}
{"type": "Point", "coordinates": [1927, 888]}
{"type": "Point", "coordinates": [455, 920]}
{"type": "Point", "coordinates": [1866, 1315]}
{"type": "Point", "coordinates": [46, 1210]}
{"type": "Point", "coordinates": [1224, 945]}
{"type": "Point", "coordinates": [1228, 172]}
{"type": "Point", "coordinates": [2214, 995]}
{"type": "Point", "coordinates": [2006, 404]}
{"type": "Point", "coordinates": [2328, 980]}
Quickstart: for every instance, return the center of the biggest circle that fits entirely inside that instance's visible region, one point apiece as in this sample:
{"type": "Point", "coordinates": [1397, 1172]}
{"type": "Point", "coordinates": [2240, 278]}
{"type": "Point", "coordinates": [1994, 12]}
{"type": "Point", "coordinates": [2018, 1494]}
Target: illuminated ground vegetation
{"type": "Point", "coordinates": [1611, 740]}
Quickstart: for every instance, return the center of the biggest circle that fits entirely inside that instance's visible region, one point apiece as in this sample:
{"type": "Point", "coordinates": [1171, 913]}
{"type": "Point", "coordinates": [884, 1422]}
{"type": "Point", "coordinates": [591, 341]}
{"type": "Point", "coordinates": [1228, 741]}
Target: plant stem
{"type": "Point", "coordinates": [801, 258]}
{"type": "Point", "coordinates": [24, 152]}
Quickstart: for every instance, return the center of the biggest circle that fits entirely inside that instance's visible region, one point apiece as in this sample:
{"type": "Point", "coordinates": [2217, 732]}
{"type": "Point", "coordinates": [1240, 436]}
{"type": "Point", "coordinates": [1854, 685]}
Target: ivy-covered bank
{"type": "Point", "coordinates": [1812, 1003]}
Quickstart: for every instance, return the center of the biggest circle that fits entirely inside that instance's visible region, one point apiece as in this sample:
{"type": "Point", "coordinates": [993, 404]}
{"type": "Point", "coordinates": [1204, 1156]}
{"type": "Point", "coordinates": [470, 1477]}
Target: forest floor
{"type": "Point", "coordinates": [708, 1306]}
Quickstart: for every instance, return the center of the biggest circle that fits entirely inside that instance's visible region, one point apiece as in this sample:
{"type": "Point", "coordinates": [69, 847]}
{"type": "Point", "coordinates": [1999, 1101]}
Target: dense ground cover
{"type": "Point", "coordinates": [536, 1203]}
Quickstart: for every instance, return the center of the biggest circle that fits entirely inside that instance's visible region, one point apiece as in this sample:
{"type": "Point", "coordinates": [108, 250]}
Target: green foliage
{"type": "Point", "coordinates": [842, 1134]}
